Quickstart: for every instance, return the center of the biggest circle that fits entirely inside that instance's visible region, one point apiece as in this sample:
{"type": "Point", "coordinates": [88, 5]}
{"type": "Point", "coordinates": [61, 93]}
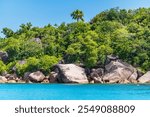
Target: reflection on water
{"type": "Point", "coordinates": [74, 92]}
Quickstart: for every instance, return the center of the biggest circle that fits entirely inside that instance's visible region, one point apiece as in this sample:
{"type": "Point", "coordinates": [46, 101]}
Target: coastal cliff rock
{"type": "Point", "coordinates": [70, 73]}
{"type": "Point", "coordinates": [3, 56]}
{"type": "Point", "coordinates": [96, 75]}
{"type": "Point", "coordinates": [111, 58]}
{"type": "Point", "coordinates": [53, 77]}
{"type": "Point", "coordinates": [36, 76]}
{"type": "Point", "coordinates": [26, 76]}
{"type": "Point", "coordinates": [119, 72]}
{"type": "Point", "coordinates": [145, 78]}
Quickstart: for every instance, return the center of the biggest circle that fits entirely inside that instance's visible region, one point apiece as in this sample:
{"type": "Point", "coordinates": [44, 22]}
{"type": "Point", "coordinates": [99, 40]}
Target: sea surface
{"type": "Point", "coordinates": [74, 92]}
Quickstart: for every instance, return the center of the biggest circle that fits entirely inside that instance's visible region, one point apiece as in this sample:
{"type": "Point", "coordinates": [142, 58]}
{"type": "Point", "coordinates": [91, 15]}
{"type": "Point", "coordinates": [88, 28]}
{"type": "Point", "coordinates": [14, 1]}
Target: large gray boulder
{"type": "Point", "coordinates": [118, 71]}
{"type": "Point", "coordinates": [3, 56]}
{"type": "Point", "coordinates": [70, 73]}
{"type": "Point", "coordinates": [145, 78]}
{"type": "Point", "coordinates": [36, 76]}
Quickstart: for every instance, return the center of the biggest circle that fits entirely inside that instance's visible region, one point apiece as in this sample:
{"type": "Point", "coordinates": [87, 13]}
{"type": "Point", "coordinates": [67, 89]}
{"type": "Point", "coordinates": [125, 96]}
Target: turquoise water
{"type": "Point", "coordinates": [74, 92]}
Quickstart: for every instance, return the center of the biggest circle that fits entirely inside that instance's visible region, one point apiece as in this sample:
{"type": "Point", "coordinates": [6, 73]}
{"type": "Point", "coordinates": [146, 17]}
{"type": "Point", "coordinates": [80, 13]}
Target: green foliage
{"type": "Point", "coordinates": [30, 49]}
{"type": "Point", "coordinates": [7, 32]}
{"type": "Point", "coordinates": [3, 67]}
{"type": "Point", "coordinates": [47, 62]}
{"type": "Point", "coordinates": [10, 66]}
{"type": "Point", "coordinates": [29, 65]}
{"type": "Point", "coordinates": [21, 69]}
{"type": "Point", "coordinates": [121, 32]}
{"type": "Point", "coordinates": [126, 33]}
{"type": "Point", "coordinates": [89, 50]}
{"type": "Point", "coordinates": [12, 48]}
{"type": "Point", "coordinates": [103, 51]}
{"type": "Point", "coordinates": [32, 64]}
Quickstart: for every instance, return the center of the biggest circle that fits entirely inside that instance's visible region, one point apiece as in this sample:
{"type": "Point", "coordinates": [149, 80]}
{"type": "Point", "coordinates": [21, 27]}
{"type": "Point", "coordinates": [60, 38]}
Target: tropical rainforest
{"type": "Point", "coordinates": [120, 32]}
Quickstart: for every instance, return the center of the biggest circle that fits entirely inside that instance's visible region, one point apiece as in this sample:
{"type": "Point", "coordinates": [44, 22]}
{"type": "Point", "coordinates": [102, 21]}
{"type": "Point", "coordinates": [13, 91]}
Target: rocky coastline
{"type": "Point", "coordinates": [114, 71]}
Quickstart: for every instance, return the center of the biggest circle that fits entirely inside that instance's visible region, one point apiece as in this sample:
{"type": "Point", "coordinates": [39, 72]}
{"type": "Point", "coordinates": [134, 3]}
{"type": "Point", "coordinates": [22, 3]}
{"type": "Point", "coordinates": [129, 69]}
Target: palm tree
{"type": "Point", "coordinates": [77, 15]}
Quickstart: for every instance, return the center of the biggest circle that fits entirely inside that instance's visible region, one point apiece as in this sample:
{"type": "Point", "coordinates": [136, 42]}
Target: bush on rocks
{"type": "Point", "coordinates": [33, 64]}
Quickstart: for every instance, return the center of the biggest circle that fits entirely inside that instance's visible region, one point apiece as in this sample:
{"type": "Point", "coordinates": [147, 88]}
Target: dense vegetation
{"type": "Point", "coordinates": [125, 33]}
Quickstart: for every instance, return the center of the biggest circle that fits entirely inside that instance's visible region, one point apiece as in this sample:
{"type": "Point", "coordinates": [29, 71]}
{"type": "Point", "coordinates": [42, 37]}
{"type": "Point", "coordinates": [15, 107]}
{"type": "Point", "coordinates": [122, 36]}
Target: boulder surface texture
{"type": "Point", "coordinates": [145, 78]}
{"type": "Point", "coordinates": [70, 73]}
{"type": "Point", "coordinates": [119, 72]}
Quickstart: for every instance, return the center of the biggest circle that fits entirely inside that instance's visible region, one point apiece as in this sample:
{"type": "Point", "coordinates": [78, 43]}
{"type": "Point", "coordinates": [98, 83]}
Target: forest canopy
{"type": "Point", "coordinates": [120, 32]}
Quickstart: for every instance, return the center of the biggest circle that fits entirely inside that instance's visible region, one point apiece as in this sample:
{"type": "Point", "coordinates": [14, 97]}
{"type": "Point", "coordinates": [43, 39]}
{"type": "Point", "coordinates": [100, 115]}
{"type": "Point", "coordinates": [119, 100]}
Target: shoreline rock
{"type": "Point", "coordinates": [145, 78]}
{"type": "Point", "coordinates": [70, 73]}
{"type": "Point", "coordinates": [96, 75]}
{"type": "Point", "coordinates": [36, 76]}
{"type": "Point", "coordinates": [114, 71]}
{"type": "Point", "coordinates": [117, 71]}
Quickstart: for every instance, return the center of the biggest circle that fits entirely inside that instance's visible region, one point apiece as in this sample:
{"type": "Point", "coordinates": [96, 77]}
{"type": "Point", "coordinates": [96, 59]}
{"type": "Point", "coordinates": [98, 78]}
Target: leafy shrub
{"type": "Point", "coordinates": [33, 64]}
{"type": "Point", "coordinates": [30, 65]}
{"type": "Point", "coordinates": [2, 67]}
{"type": "Point", "coordinates": [10, 66]}
{"type": "Point", "coordinates": [21, 68]}
{"type": "Point", "coordinates": [30, 49]}
{"type": "Point", "coordinates": [46, 62]}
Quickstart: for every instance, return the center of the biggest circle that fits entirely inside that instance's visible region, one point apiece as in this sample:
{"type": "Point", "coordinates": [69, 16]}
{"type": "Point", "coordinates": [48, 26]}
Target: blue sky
{"type": "Point", "coordinates": [41, 12]}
